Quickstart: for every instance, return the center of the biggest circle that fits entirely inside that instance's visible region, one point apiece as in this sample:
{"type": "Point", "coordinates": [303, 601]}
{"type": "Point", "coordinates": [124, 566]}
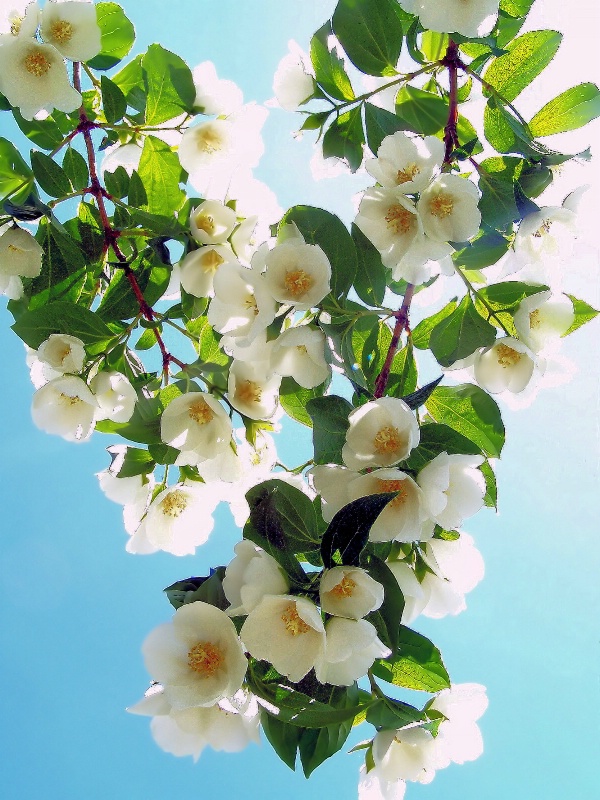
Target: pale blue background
{"type": "Point", "coordinates": [75, 607]}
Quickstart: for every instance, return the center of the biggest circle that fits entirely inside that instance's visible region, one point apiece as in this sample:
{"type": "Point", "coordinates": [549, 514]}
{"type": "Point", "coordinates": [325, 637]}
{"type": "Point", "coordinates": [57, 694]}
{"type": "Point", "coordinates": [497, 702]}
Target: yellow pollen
{"type": "Point", "coordinates": [441, 205]}
{"type": "Point", "coordinates": [248, 392]}
{"type": "Point", "coordinates": [14, 249]}
{"type": "Point", "coordinates": [534, 319]}
{"type": "Point", "coordinates": [205, 659]}
{"type": "Point", "coordinates": [36, 64]}
{"type": "Point", "coordinates": [399, 219]}
{"type": "Point", "coordinates": [209, 141]}
{"type": "Point", "coordinates": [298, 282]}
{"type": "Point", "coordinates": [544, 228]}
{"type": "Point", "coordinates": [15, 25]}
{"type": "Point", "coordinates": [211, 261]}
{"type": "Point", "coordinates": [66, 351]}
{"type": "Point", "coordinates": [173, 504]}
{"type": "Point", "coordinates": [72, 401]}
{"type": "Point", "coordinates": [387, 440]}
{"type": "Point", "coordinates": [61, 31]}
{"type": "Point", "coordinates": [292, 621]}
{"type": "Point", "coordinates": [206, 223]}
{"type": "Point", "coordinates": [345, 588]}
{"type": "Point", "coordinates": [200, 412]}
{"type": "Point", "coordinates": [301, 348]}
{"type": "Point", "coordinates": [507, 357]}
{"type": "Point", "coordinates": [408, 174]}
{"type": "Point", "coordinates": [251, 303]}
{"type": "Point", "coordinates": [394, 486]}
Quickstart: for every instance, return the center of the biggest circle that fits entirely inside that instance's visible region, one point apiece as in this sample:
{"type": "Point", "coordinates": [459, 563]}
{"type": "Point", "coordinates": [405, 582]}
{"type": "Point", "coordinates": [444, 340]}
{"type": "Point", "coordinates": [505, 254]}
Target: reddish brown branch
{"type": "Point", "coordinates": [453, 63]}
{"type": "Point", "coordinates": [401, 325]}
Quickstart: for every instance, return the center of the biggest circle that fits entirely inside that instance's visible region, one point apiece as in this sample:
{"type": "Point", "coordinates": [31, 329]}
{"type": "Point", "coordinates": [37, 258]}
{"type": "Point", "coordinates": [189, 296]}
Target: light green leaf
{"type": "Point", "coordinates": [63, 268]}
{"type": "Point", "coordinates": [330, 73]}
{"type": "Point", "coordinates": [570, 110]}
{"type": "Point", "coordinates": [293, 399]}
{"type": "Point", "coordinates": [345, 138]}
{"type": "Point", "coordinates": [496, 180]}
{"type": "Point", "coordinates": [370, 33]}
{"type": "Point", "coordinates": [583, 313]}
{"type": "Point", "coordinates": [460, 334]}
{"type": "Point", "coordinates": [160, 173]}
{"type": "Point", "coordinates": [14, 171]}
{"type": "Point", "coordinates": [136, 462]}
{"type": "Point", "coordinates": [422, 112]}
{"type": "Point", "coordinates": [370, 280]}
{"type": "Point", "coordinates": [527, 56]}
{"type": "Point", "coordinates": [482, 252]}
{"type": "Point", "coordinates": [418, 664]}
{"type": "Point", "coordinates": [380, 123]}
{"type": "Point", "coordinates": [169, 84]}
{"type": "Point", "coordinates": [472, 412]}
{"type": "Point", "coordinates": [118, 36]}
{"type": "Point", "coordinates": [207, 342]}
{"type": "Point", "coordinates": [330, 423]}
{"type": "Point", "coordinates": [113, 100]}
{"type": "Point", "coordinates": [435, 439]}
{"type": "Point", "coordinates": [422, 333]}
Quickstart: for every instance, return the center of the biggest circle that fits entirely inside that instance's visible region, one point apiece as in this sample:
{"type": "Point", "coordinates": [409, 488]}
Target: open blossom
{"type": "Point", "coordinates": [292, 83]}
{"type": "Point", "coordinates": [243, 305]}
{"type": "Point", "coordinates": [250, 576]}
{"type": "Point", "coordinates": [196, 424]}
{"type": "Point", "coordinates": [453, 488]}
{"type": "Point", "coordinates": [547, 234]}
{"type": "Point", "coordinates": [381, 433]}
{"type": "Point", "coordinates": [20, 257]}
{"type": "Point", "coordinates": [331, 482]}
{"type": "Point", "coordinates": [133, 493]}
{"type": "Point", "coordinates": [211, 222]}
{"type": "Point", "coordinates": [507, 365]}
{"type": "Point", "coordinates": [297, 273]}
{"type": "Point", "coordinates": [542, 319]}
{"type": "Point", "coordinates": [406, 754]}
{"type": "Point", "coordinates": [229, 725]}
{"type": "Point", "coordinates": [61, 353]}
{"type": "Point", "coordinates": [349, 592]}
{"type": "Point", "coordinates": [115, 396]}
{"type": "Point", "coordinates": [449, 209]}
{"type": "Point", "coordinates": [351, 647]}
{"type": "Point", "coordinates": [390, 221]}
{"type": "Point", "coordinates": [33, 77]}
{"type": "Point", "coordinates": [72, 28]}
{"type": "Point", "coordinates": [215, 95]}
{"type": "Point", "coordinates": [300, 353]}
{"type": "Point", "coordinates": [459, 738]}
{"type": "Point", "coordinates": [287, 631]}
{"type": "Point", "coordinates": [197, 657]}
{"type": "Point", "coordinates": [198, 268]}
{"type": "Point", "coordinates": [18, 18]}
{"type": "Point", "coordinates": [253, 389]}
{"type": "Point", "coordinates": [373, 786]}
{"type": "Point", "coordinates": [66, 407]}
{"type": "Point", "coordinates": [406, 164]}
{"type": "Point", "coordinates": [468, 17]}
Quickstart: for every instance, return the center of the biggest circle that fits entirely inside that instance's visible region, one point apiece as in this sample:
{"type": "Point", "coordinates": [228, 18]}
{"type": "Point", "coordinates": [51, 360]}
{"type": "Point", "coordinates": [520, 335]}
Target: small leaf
{"type": "Point", "coordinates": [207, 590]}
{"type": "Point", "coordinates": [348, 531]}
{"type": "Point", "coordinates": [282, 737]}
{"type": "Point", "coordinates": [169, 85]}
{"type": "Point", "coordinates": [583, 313]}
{"type": "Point", "coordinates": [344, 139]}
{"type": "Point", "coordinates": [160, 173]}
{"type": "Point", "coordinates": [422, 333]}
{"type": "Point", "coordinates": [570, 110]}
{"type": "Point", "coordinates": [293, 399]}
{"type": "Point", "coordinates": [418, 664]}
{"type": "Point", "coordinates": [330, 423]}
{"type": "Point", "coordinates": [380, 123]}
{"type": "Point", "coordinates": [460, 334]}
{"type": "Point", "coordinates": [422, 112]}
{"type": "Point", "coordinates": [50, 176]}
{"type": "Point", "coordinates": [118, 36]}
{"type": "Point", "coordinates": [472, 412]}
{"type": "Point", "coordinates": [113, 100]}
{"type": "Point", "coordinates": [416, 399]}
{"type": "Point", "coordinates": [370, 280]}
{"type": "Point", "coordinates": [136, 462]}
{"type": "Point", "coordinates": [330, 73]}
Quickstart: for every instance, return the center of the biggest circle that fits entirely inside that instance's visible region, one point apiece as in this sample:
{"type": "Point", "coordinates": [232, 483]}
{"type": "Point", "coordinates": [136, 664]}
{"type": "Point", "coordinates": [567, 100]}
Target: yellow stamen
{"type": "Point", "coordinates": [441, 205]}
{"type": "Point", "coordinates": [544, 228]}
{"type": "Point", "coordinates": [298, 282]}
{"type": "Point", "coordinates": [61, 31]}
{"type": "Point", "coordinates": [534, 319]}
{"type": "Point", "coordinates": [15, 25]}
{"type": "Point", "coordinates": [71, 401]}
{"type": "Point", "coordinates": [14, 249]}
{"type": "Point", "coordinates": [507, 357]}
{"type": "Point", "coordinates": [345, 588]}
{"type": "Point", "coordinates": [201, 412]}
{"type": "Point", "coordinates": [205, 659]}
{"type": "Point", "coordinates": [388, 440]}
{"type": "Point", "coordinates": [302, 349]}
{"type": "Point", "coordinates": [292, 621]}
{"type": "Point", "coordinates": [174, 504]}
{"type": "Point", "coordinates": [209, 141]}
{"type": "Point", "coordinates": [211, 261]}
{"type": "Point", "coordinates": [248, 392]}
{"type": "Point", "coordinates": [393, 486]}
{"type": "Point", "coordinates": [206, 223]}
{"type": "Point", "coordinates": [399, 219]}
{"type": "Point", "coordinates": [36, 64]}
{"type": "Point", "coordinates": [408, 174]}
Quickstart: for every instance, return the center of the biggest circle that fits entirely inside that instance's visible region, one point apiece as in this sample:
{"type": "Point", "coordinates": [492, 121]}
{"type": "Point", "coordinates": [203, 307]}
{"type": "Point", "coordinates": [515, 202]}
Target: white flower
{"type": "Point", "coordinates": [197, 657]}
{"type": "Point", "coordinates": [258, 203]}
{"type": "Point", "coordinates": [242, 349]}
{"type": "Point", "coordinates": [405, 754]}
{"type": "Point", "coordinates": [215, 95]}
{"type": "Point", "coordinates": [331, 482]}
{"type": "Point", "coordinates": [133, 493]}
{"type": "Point", "coordinates": [507, 365]}
{"type": "Point", "coordinates": [453, 488]}
{"type": "Point", "coordinates": [18, 18]}
{"type": "Point", "coordinates": [349, 592]}
{"type": "Point", "coordinates": [542, 319]}
{"type": "Point", "coordinates": [373, 786]}
{"type": "Point", "coordinates": [33, 76]}
{"type": "Point", "coordinates": [288, 632]}
{"type": "Point", "coordinates": [72, 28]}
{"type": "Point", "coordinates": [250, 576]}
{"type": "Point", "coordinates": [198, 268]}
{"type": "Point", "coordinates": [351, 647]}
{"type": "Point", "coordinates": [415, 594]}
{"type": "Point", "coordinates": [459, 738]}
{"type": "Point", "coordinates": [115, 395]}
{"type": "Point", "coordinates": [390, 221]}
{"type": "Point", "coordinates": [197, 425]}
{"type": "Point", "coordinates": [381, 433]}
{"type": "Point", "coordinates": [293, 84]}
{"type": "Point", "coordinates": [243, 305]}
{"type": "Point", "coordinates": [406, 164]}
{"type": "Point", "coordinates": [404, 517]}
{"type": "Point", "coordinates": [61, 353]}
{"type": "Point", "coordinates": [211, 222]}
{"type": "Point", "coordinates": [300, 353]}
{"type": "Point", "coordinates": [449, 209]}
{"type": "Point", "coordinates": [66, 407]}
{"type": "Point", "coordinates": [122, 155]}
{"type": "Point", "coordinates": [179, 519]}
{"type": "Point", "coordinates": [253, 390]}
{"type": "Point", "coordinates": [207, 145]}
{"type": "Point", "coordinates": [20, 257]}
{"type": "Point", "coordinates": [297, 273]}
{"type": "Point", "coordinates": [468, 17]}
{"type": "Point", "coordinates": [547, 234]}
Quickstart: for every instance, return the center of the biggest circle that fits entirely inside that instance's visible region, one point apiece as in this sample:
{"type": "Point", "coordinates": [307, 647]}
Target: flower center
{"type": "Point", "coordinates": [298, 282]}
{"type": "Point", "coordinates": [302, 349]}
{"type": "Point", "coordinates": [408, 174]}
{"type": "Point", "coordinates": [14, 249]}
{"type": "Point", "coordinates": [205, 659]}
{"type": "Point", "coordinates": [200, 412]}
{"type": "Point", "coordinates": [37, 64]}
{"type": "Point", "coordinates": [393, 486]}
{"type": "Point", "coordinates": [292, 621]}
{"type": "Point", "coordinates": [61, 31]}
{"type": "Point", "coordinates": [251, 303]}
{"type": "Point", "coordinates": [206, 223]}
{"type": "Point", "coordinates": [248, 392]}
{"type": "Point", "coordinates": [387, 440]}
{"type": "Point", "coordinates": [209, 141]}
{"type": "Point", "coordinates": [399, 219]}
{"type": "Point", "coordinates": [70, 401]}
{"type": "Point", "coordinates": [15, 25]}
{"type": "Point", "coordinates": [534, 319]}
{"type": "Point", "coordinates": [345, 588]}
{"type": "Point", "coordinates": [441, 205]}
{"type": "Point", "coordinates": [544, 228]}
{"type": "Point", "coordinates": [62, 354]}
{"type": "Point", "coordinates": [174, 504]}
{"type": "Point", "coordinates": [507, 357]}
{"type": "Point", "coordinates": [211, 261]}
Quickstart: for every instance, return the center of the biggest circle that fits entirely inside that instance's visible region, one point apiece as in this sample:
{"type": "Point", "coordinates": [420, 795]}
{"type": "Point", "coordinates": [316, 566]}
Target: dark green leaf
{"type": "Point", "coordinates": [416, 399]}
{"type": "Point", "coordinates": [527, 56]}
{"type": "Point", "coordinates": [370, 33]}
{"type": "Point", "coordinates": [282, 737]}
{"type": "Point", "coordinates": [35, 326]}
{"type": "Point", "coordinates": [137, 190]}
{"type": "Point", "coordinates": [293, 399]}
{"type": "Point", "coordinates": [472, 412]}
{"type": "Point", "coordinates": [113, 100]}
{"type": "Point", "coordinates": [76, 169]}
{"type": "Point", "coordinates": [380, 123]}
{"type": "Point", "coordinates": [496, 177]}
{"type": "Point", "coordinates": [136, 462]}
{"type": "Point", "coordinates": [392, 714]}
{"type": "Point", "coordinates": [491, 488]}
{"type": "Point", "coordinates": [117, 182]}
{"type": "Point", "coordinates": [418, 664]}
{"type": "Point", "coordinates": [387, 618]}
{"type": "Point", "coordinates": [207, 590]}
{"type": "Point", "coordinates": [570, 110]}
{"type": "Point", "coordinates": [31, 208]}
{"type": "Point", "coordinates": [119, 301]}
{"type": "Point", "coordinates": [50, 176]}
{"type": "Point", "coordinates": [460, 334]}
{"type": "Point", "coordinates": [344, 139]}
{"type": "Point", "coordinates": [348, 531]}
{"type": "Point", "coordinates": [403, 375]}
{"type": "Point", "coordinates": [370, 280]}
{"type": "Point", "coordinates": [422, 112]}
{"type": "Point", "coordinates": [118, 36]}
{"type": "Point", "coordinates": [45, 133]}
{"type": "Point", "coordinates": [435, 439]}
{"type": "Point", "coordinates": [329, 67]}
{"type": "Point", "coordinates": [330, 423]}
{"type": "Point", "coordinates": [63, 268]}
{"type": "Point", "coordinates": [485, 250]}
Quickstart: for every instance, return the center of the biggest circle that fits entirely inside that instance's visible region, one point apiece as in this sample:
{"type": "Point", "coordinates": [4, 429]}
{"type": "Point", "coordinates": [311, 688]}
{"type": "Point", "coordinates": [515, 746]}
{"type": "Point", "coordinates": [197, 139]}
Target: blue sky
{"type": "Point", "coordinates": [75, 607]}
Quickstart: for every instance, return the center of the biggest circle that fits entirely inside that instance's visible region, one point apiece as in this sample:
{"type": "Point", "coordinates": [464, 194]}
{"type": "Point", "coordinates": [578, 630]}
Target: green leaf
{"type": "Point", "coordinates": [472, 412]}
{"type": "Point", "coordinates": [207, 342]}
{"type": "Point", "coordinates": [387, 618]}
{"type": "Point", "coordinates": [34, 327]}
{"type": "Point", "coordinates": [293, 399]}
{"type": "Point", "coordinates": [496, 180]}
{"type": "Point", "coordinates": [143, 427]}
{"type": "Point", "coordinates": [136, 462]}
{"type": "Point", "coordinates": [50, 176]}
{"type": "Point", "coordinates": [435, 439]}
{"type": "Point", "coordinates": [63, 268]}
{"type": "Point", "coordinates": [345, 138]}
{"type": "Point", "coordinates": [485, 250]}
{"type": "Point", "coordinates": [283, 737]}
{"type": "Point", "coordinates": [516, 8]}
{"type": "Point", "coordinates": [46, 133]}
{"type": "Point", "coordinates": [583, 313]}
{"type": "Point", "coordinates": [136, 190]}
{"type": "Point", "coordinates": [422, 112]}
{"type": "Point", "coordinates": [330, 423]}
{"type": "Point", "coordinates": [570, 110]}
{"type": "Point", "coordinates": [329, 232]}
{"type": "Point", "coordinates": [422, 333]}
{"type": "Point", "coordinates": [119, 301]}
{"type": "Point", "coordinates": [76, 169]}
{"type": "Point", "coordinates": [160, 173]}
{"type": "Point", "coordinates": [392, 714]}
{"type": "Point", "coordinates": [403, 373]}
{"type": "Point", "coordinates": [491, 489]}
{"type": "Point", "coordinates": [113, 100]}
{"type": "Point", "coordinates": [131, 82]}
{"type": "Point", "coordinates": [118, 36]}
{"type": "Point", "coordinates": [348, 531]}
{"type": "Point", "coordinates": [14, 171]}
{"type": "Point", "coordinates": [370, 280]}
{"type": "Point", "coordinates": [460, 334]}
{"type": "Point", "coordinates": [371, 34]}
{"type": "Point", "coordinates": [169, 85]}
{"type": "Point", "coordinates": [330, 73]}
{"type": "Point", "coordinates": [527, 56]}
{"type": "Point", "coordinates": [417, 665]}
{"type": "Point", "coordinates": [508, 294]}
{"type": "Point", "coordinates": [207, 590]}
{"type": "Point", "coordinates": [117, 182]}
{"type": "Point", "coordinates": [434, 45]}
{"type": "Point", "coordinates": [380, 123]}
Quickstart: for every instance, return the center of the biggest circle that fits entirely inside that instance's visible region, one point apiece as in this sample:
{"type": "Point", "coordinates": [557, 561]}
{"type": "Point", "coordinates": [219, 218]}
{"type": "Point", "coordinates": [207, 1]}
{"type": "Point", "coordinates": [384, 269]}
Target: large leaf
{"type": "Point", "coordinates": [35, 326]}
{"type": "Point", "coordinates": [169, 85]}
{"type": "Point", "coordinates": [370, 280]}
{"type": "Point", "coordinates": [293, 399]}
{"type": "Point", "coordinates": [460, 334]}
{"type": "Point", "coordinates": [344, 139]}
{"type": "Point", "coordinates": [570, 110]}
{"type": "Point", "coordinates": [329, 67]}
{"type": "Point", "coordinates": [282, 737]}
{"type": "Point", "coordinates": [160, 172]}
{"type": "Point", "coordinates": [14, 171]}
{"type": "Point", "coordinates": [527, 56]}
{"type": "Point", "coordinates": [435, 439]}
{"type": "Point", "coordinates": [50, 176]}
{"type": "Point", "coordinates": [422, 333]}
{"type": "Point", "coordinates": [118, 36]}
{"type": "Point", "coordinates": [417, 665]}
{"type": "Point", "coordinates": [63, 268]}
{"type": "Point", "coordinates": [422, 112]}
{"type": "Point", "coordinates": [380, 123]}
{"type": "Point", "coordinates": [348, 531]}
{"type": "Point", "coordinates": [330, 423]}
{"type": "Point", "coordinates": [370, 33]}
